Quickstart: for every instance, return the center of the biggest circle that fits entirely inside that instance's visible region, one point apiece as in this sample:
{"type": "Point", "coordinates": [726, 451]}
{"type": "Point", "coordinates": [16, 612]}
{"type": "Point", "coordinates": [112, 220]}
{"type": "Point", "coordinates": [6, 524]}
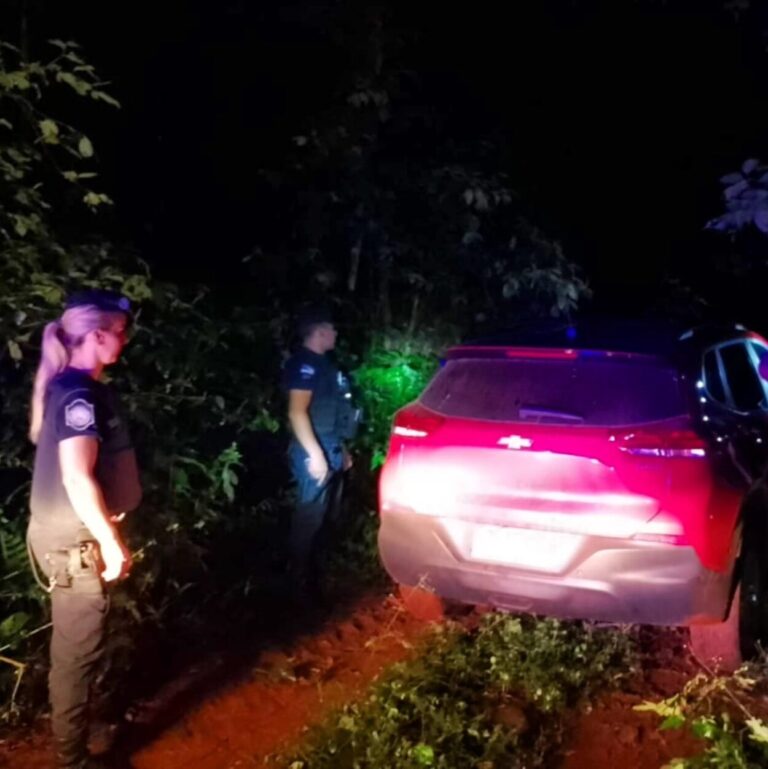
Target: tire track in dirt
{"type": "Point", "coordinates": [286, 692]}
{"type": "Point", "coordinates": [268, 707]}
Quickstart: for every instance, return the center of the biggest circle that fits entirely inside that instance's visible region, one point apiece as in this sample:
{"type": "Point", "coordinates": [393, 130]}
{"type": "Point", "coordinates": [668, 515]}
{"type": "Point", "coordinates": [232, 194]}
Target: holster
{"type": "Point", "coordinates": [77, 567]}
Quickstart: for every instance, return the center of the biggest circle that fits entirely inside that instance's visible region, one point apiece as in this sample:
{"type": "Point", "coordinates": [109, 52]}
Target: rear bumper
{"type": "Point", "coordinates": [608, 579]}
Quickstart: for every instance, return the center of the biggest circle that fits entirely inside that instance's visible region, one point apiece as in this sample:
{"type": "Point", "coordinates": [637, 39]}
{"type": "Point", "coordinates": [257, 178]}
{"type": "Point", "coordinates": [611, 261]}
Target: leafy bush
{"type": "Point", "coordinates": [196, 380]}
{"type": "Point", "coordinates": [196, 407]}
{"type": "Point", "coordinates": [745, 193]}
{"type": "Point", "coordinates": [474, 698]}
{"type": "Point", "coordinates": [393, 372]}
{"type": "Point", "coordinates": [716, 710]}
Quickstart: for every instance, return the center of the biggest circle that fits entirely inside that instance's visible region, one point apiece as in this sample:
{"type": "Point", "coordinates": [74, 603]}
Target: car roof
{"type": "Point", "coordinates": [659, 338]}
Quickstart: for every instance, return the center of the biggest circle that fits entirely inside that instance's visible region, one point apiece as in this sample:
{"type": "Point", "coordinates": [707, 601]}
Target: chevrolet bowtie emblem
{"type": "Point", "coordinates": [516, 442]}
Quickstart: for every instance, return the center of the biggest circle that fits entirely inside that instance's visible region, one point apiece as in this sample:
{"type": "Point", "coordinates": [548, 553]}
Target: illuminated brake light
{"type": "Point", "coordinates": [416, 422]}
{"type": "Point", "coordinates": [409, 432]}
{"type": "Point", "coordinates": [672, 444]}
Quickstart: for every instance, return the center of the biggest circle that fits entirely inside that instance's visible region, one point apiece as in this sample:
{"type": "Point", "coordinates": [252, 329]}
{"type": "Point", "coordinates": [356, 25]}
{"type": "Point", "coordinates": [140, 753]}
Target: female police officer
{"type": "Point", "coordinates": [85, 478]}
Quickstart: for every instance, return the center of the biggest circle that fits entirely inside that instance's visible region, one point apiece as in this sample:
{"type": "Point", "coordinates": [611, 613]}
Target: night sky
{"type": "Point", "coordinates": [616, 118]}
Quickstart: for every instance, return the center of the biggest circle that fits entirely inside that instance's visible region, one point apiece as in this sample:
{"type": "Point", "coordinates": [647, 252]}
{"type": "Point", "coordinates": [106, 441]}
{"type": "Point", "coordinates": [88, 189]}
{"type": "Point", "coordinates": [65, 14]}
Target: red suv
{"type": "Point", "coordinates": [606, 471]}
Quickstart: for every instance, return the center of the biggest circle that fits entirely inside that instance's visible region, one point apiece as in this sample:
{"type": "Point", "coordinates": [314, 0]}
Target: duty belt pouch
{"type": "Point", "coordinates": [58, 568]}
{"type": "Point", "coordinates": [348, 420]}
{"type": "Point", "coordinates": [78, 567]}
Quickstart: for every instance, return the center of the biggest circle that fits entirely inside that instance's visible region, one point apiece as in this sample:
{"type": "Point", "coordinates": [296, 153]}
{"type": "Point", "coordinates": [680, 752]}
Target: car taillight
{"type": "Point", "coordinates": [664, 528]}
{"type": "Point", "coordinates": [681, 444]}
{"type": "Point", "coordinates": [416, 422]}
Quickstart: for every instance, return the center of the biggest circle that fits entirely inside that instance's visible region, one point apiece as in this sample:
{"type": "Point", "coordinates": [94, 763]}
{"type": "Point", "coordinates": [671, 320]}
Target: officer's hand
{"type": "Point", "coordinates": [347, 460]}
{"type": "Point", "coordinates": [114, 555]}
{"type": "Point", "coordinates": [317, 467]}
{"type": "Point", "coordinates": [127, 563]}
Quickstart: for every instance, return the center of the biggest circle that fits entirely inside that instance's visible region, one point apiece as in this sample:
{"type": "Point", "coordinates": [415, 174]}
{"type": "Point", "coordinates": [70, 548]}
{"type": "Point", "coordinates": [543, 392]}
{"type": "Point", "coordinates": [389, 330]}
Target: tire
{"type": "Point", "coordinates": [745, 629]}
{"type": "Point", "coordinates": [753, 606]}
{"type": "Point", "coordinates": [719, 645]}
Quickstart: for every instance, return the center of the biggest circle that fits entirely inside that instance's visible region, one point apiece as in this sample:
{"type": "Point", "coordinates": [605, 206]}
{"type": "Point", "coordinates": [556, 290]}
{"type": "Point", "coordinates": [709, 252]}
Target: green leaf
{"type": "Point", "coordinates": [424, 755]}
{"type": "Point", "coordinates": [11, 626]}
{"type": "Point", "coordinates": [137, 288]}
{"type": "Point", "coordinates": [18, 80]}
{"type": "Point", "coordinates": [95, 199]}
{"type": "Point", "coordinates": [74, 176]}
{"type": "Point", "coordinates": [14, 350]}
{"type": "Point", "coordinates": [758, 730]}
{"type": "Point", "coordinates": [75, 59]}
{"type": "Point", "coordinates": [672, 722]}
{"type": "Point", "coordinates": [84, 147]}
{"type": "Point", "coordinates": [105, 97]}
{"type": "Point", "coordinates": [23, 196]}
{"type": "Point", "coordinates": [81, 86]}
{"type": "Point", "coordinates": [92, 199]}
{"type": "Point", "coordinates": [50, 131]}
{"type": "Point", "coordinates": [21, 224]}
{"type": "Point", "coordinates": [705, 728]}
{"type": "Point", "coordinates": [180, 478]}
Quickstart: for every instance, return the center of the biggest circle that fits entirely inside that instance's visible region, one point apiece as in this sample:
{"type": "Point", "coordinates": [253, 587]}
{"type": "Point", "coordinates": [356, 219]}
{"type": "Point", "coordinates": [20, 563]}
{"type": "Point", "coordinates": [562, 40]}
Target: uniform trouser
{"type": "Point", "coordinates": [314, 501]}
{"type": "Point", "coordinates": [77, 644]}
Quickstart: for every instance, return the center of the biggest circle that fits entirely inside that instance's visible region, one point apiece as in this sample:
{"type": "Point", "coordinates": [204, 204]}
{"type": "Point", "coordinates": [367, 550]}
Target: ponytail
{"type": "Point", "coordinates": [54, 357]}
{"type": "Point", "coordinates": [59, 339]}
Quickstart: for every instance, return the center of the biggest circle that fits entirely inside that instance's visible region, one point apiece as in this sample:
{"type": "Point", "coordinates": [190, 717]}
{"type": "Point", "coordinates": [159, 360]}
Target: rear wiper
{"type": "Point", "coordinates": [538, 414]}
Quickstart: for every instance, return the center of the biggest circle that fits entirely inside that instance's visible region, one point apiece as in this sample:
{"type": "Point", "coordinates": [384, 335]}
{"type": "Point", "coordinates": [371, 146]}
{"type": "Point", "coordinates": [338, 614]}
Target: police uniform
{"type": "Point", "coordinates": [76, 405]}
{"type": "Point", "coordinates": [333, 418]}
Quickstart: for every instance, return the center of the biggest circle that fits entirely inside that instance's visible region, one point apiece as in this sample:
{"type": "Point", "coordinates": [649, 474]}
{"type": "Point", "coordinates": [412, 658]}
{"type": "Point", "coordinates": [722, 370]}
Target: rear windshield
{"type": "Point", "coordinates": [597, 391]}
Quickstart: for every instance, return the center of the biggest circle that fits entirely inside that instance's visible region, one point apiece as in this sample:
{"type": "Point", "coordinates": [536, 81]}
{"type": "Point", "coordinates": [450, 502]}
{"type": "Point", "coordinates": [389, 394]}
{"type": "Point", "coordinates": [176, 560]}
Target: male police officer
{"type": "Point", "coordinates": [321, 416]}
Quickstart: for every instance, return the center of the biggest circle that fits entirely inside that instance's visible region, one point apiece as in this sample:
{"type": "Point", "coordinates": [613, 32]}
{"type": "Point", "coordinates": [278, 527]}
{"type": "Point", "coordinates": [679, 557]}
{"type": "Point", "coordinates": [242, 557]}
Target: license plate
{"type": "Point", "coordinates": [524, 548]}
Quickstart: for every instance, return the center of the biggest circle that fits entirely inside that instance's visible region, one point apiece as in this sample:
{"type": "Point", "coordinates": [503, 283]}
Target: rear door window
{"type": "Point", "coordinates": [595, 390]}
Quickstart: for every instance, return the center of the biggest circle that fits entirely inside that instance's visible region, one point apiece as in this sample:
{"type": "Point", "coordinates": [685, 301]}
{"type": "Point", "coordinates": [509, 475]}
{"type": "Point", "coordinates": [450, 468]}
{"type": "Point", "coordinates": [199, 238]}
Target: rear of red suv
{"type": "Point", "coordinates": [566, 482]}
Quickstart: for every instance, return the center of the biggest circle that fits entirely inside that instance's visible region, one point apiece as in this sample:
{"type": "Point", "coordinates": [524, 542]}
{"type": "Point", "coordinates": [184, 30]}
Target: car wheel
{"type": "Point", "coordinates": [745, 629]}
{"type": "Point", "coordinates": [421, 603]}
{"type": "Point", "coordinates": [718, 645]}
{"type": "Point", "coordinates": [753, 606]}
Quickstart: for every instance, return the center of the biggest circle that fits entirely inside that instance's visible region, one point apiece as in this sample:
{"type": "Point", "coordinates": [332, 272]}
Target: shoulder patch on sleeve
{"type": "Point", "coordinates": [306, 371]}
{"type": "Point", "coordinates": [79, 414]}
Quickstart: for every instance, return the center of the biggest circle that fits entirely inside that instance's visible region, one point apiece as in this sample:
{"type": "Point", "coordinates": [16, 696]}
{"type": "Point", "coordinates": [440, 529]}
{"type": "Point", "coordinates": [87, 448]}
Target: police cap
{"type": "Point", "coordinates": [102, 299]}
